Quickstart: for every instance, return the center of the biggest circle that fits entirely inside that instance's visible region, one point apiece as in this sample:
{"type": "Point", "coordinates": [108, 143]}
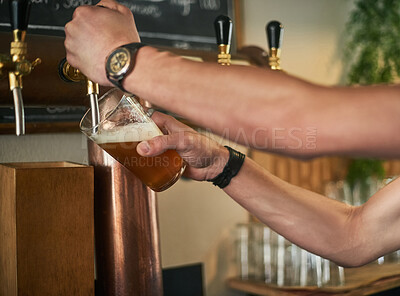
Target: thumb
{"type": "Point", "coordinates": [157, 145]}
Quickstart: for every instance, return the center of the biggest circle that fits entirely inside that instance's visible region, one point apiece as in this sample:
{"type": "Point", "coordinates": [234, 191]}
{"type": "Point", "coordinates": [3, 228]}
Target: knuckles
{"type": "Point", "coordinates": [187, 140]}
{"type": "Point", "coordinates": [81, 12]}
{"type": "Point", "coordinates": [67, 28]}
{"type": "Point", "coordinates": [124, 10]}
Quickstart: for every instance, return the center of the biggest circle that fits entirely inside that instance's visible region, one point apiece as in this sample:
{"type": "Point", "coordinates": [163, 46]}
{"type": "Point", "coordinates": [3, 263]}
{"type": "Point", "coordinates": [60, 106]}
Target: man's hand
{"type": "Point", "coordinates": [205, 157]}
{"type": "Point", "coordinates": [94, 32]}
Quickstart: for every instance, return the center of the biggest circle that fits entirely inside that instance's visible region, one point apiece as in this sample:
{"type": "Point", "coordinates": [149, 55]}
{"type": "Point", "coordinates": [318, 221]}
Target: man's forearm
{"type": "Point", "coordinates": [347, 235]}
{"type": "Point", "coordinates": [269, 110]}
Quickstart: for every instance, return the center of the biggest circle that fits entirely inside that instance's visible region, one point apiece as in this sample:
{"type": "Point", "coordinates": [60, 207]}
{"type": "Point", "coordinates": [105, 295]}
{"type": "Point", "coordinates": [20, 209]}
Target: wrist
{"type": "Point", "coordinates": [121, 62]}
{"type": "Point", "coordinates": [220, 159]}
{"type": "Point", "coordinates": [231, 169]}
{"type": "Point", "coordinates": [136, 77]}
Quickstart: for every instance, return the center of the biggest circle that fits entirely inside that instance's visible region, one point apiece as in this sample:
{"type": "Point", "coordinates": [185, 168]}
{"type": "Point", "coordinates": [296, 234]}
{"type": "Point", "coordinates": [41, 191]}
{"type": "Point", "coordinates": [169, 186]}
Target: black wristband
{"type": "Point", "coordinates": [231, 168]}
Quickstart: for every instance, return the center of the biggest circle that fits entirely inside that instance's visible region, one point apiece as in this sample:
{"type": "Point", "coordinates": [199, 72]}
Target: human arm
{"type": "Point", "coordinates": [348, 235]}
{"type": "Point", "coordinates": [262, 109]}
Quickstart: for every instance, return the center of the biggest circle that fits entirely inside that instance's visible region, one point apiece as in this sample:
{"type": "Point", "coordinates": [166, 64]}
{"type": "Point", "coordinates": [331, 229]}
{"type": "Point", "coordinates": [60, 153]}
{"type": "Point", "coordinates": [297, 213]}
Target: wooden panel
{"type": "Point", "coordinates": [54, 227]}
{"type": "Point", "coordinates": [8, 240]}
{"type": "Point", "coordinates": [392, 168]}
{"type": "Point", "coordinates": [312, 174]}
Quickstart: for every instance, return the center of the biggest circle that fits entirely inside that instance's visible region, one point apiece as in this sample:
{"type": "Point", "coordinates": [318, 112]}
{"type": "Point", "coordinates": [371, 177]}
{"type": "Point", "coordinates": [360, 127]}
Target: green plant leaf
{"type": "Point", "coordinates": [373, 56]}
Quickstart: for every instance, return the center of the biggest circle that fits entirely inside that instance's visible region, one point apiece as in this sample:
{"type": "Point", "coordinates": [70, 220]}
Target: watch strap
{"type": "Point", "coordinates": [117, 83]}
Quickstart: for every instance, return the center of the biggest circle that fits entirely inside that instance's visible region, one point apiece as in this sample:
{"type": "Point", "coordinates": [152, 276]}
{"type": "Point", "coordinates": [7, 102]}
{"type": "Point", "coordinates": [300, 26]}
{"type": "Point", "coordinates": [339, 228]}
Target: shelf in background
{"type": "Point", "coordinates": [366, 280]}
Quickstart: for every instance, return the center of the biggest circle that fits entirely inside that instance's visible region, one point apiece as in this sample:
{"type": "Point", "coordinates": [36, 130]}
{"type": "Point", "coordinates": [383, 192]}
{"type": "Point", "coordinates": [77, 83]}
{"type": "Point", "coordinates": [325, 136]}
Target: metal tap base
{"type": "Point", "coordinates": [128, 257]}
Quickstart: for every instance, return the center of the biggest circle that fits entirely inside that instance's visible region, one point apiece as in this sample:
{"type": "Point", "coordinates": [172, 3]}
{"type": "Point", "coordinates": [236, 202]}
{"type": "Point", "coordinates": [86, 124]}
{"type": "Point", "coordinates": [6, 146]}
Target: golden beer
{"type": "Point", "coordinates": [158, 172]}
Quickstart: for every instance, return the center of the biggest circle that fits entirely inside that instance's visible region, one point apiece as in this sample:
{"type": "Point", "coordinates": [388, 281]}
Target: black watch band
{"type": "Point", "coordinates": [117, 83]}
{"type": "Point", "coordinates": [133, 49]}
{"type": "Point", "coordinates": [231, 168]}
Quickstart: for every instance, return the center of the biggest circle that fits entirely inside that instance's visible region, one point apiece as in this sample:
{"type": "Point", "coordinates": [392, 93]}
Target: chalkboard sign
{"type": "Point", "coordinates": [175, 23]}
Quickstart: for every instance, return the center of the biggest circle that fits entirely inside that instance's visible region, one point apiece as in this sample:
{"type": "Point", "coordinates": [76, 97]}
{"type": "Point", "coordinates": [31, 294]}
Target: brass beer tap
{"type": "Point", "coordinates": [71, 74]}
{"type": "Point", "coordinates": [15, 65]}
{"type": "Point", "coordinates": [223, 31]}
{"type": "Point", "coordinates": [274, 30]}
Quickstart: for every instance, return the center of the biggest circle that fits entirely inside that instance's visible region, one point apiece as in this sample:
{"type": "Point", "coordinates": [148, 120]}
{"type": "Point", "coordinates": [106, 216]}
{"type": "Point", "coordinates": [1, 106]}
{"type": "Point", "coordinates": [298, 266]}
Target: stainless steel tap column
{"type": "Point", "coordinates": [128, 260]}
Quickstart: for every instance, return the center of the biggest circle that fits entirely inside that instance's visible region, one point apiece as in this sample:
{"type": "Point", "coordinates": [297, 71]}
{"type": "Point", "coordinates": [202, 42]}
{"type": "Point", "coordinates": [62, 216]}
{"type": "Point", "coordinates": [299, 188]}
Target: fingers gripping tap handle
{"type": "Point", "coordinates": [223, 31]}
{"type": "Point", "coordinates": [68, 73]}
{"type": "Point", "coordinates": [71, 74]}
{"type": "Point", "coordinates": [274, 30]}
{"type": "Point", "coordinates": [19, 14]}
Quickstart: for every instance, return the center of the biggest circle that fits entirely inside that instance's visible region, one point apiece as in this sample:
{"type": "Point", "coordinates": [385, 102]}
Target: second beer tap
{"type": "Point", "coordinates": [274, 30]}
{"type": "Point", "coordinates": [15, 65]}
{"type": "Point", "coordinates": [223, 31]}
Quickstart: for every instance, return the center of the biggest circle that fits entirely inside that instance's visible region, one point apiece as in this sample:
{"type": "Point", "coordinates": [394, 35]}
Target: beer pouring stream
{"type": "Point", "coordinates": [71, 74]}
{"type": "Point", "coordinates": [223, 32]}
{"type": "Point", "coordinates": [15, 64]}
{"type": "Point", "coordinates": [274, 30]}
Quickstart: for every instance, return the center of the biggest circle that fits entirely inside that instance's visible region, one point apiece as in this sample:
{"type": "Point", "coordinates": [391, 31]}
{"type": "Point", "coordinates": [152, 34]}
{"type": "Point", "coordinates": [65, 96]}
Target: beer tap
{"type": "Point", "coordinates": [71, 74]}
{"type": "Point", "coordinates": [223, 30]}
{"type": "Point", "coordinates": [274, 31]}
{"type": "Point", "coordinates": [15, 65]}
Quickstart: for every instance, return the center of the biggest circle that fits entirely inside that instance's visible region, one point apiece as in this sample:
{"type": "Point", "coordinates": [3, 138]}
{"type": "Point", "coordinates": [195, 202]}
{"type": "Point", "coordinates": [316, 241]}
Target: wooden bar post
{"type": "Point", "coordinates": [46, 229]}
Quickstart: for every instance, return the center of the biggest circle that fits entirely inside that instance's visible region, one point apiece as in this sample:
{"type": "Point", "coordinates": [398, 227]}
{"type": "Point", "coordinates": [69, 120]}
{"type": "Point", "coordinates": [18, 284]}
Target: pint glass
{"type": "Point", "coordinates": [123, 125]}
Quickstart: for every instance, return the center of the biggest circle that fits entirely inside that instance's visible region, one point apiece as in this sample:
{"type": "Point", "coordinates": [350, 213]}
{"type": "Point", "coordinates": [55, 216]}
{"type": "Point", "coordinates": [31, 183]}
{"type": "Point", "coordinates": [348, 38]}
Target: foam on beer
{"type": "Point", "coordinates": [134, 132]}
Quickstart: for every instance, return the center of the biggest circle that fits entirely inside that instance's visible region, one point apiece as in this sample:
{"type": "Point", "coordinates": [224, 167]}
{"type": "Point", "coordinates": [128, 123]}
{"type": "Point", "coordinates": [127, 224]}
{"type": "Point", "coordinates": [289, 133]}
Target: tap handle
{"type": "Point", "coordinates": [274, 31]}
{"type": "Point", "coordinates": [69, 73]}
{"type": "Point", "coordinates": [223, 30]}
{"type": "Point", "coordinates": [61, 70]}
{"type": "Point", "coordinates": [19, 14]}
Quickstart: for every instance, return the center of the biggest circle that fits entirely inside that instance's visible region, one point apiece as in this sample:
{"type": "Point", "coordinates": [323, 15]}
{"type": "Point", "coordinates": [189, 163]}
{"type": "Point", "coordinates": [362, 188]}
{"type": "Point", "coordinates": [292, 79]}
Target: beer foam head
{"type": "Point", "coordinates": [134, 132]}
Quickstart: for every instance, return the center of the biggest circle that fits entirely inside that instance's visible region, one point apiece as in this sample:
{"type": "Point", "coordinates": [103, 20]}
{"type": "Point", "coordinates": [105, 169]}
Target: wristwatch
{"type": "Point", "coordinates": [121, 62]}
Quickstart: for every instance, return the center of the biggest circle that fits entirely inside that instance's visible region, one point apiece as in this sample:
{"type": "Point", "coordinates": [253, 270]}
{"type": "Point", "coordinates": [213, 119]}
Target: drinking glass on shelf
{"type": "Point", "coordinates": [310, 270]}
{"type": "Point", "coordinates": [249, 246]}
{"type": "Point", "coordinates": [281, 259]}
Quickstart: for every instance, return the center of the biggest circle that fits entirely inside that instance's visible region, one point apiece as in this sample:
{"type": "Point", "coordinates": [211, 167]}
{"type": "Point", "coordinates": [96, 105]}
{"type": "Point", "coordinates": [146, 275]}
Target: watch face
{"type": "Point", "coordinates": [118, 62]}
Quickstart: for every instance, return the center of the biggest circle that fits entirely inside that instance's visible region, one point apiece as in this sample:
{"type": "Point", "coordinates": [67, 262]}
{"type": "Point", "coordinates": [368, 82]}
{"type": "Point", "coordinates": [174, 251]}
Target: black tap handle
{"type": "Point", "coordinates": [19, 14]}
{"type": "Point", "coordinates": [274, 31]}
{"type": "Point", "coordinates": [223, 30]}
{"type": "Point", "coordinates": [61, 70]}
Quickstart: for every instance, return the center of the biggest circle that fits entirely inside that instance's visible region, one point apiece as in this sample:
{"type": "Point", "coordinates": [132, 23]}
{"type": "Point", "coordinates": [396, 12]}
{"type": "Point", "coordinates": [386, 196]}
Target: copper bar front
{"type": "Point", "coordinates": [126, 230]}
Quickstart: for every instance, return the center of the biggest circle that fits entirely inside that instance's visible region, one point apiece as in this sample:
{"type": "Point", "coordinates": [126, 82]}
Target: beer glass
{"type": "Point", "coordinates": [122, 126]}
